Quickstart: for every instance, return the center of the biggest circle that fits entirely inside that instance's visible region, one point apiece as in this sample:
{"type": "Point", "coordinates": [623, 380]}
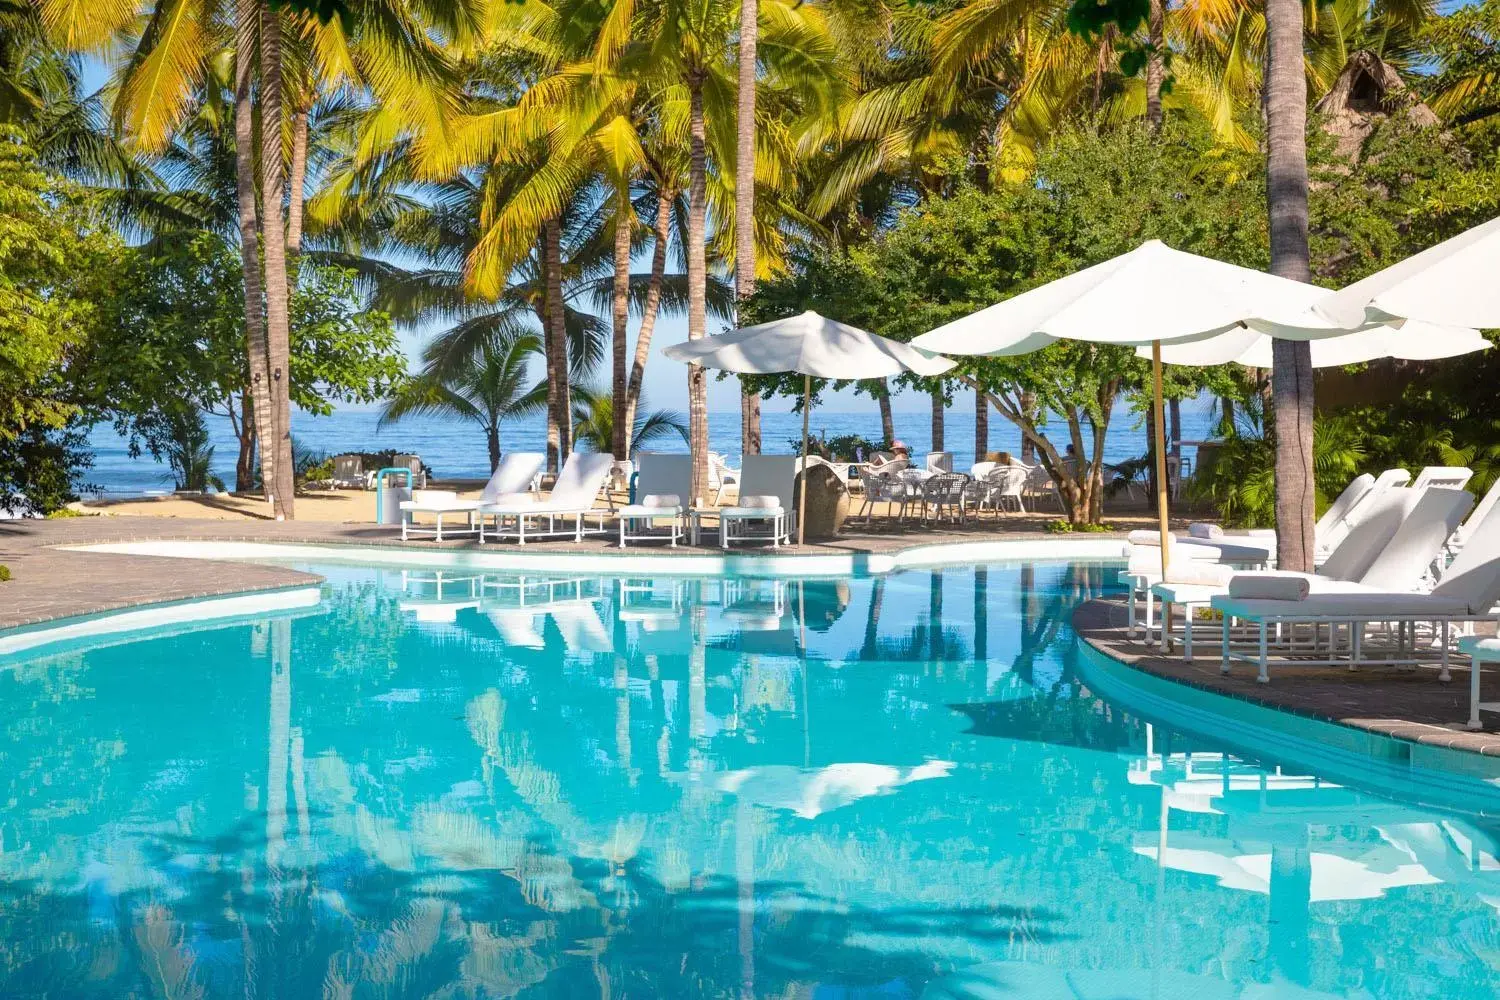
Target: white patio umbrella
{"type": "Point", "coordinates": [1456, 283]}
{"type": "Point", "coordinates": [814, 347]}
{"type": "Point", "coordinates": [1412, 341]}
{"type": "Point", "coordinates": [1151, 295]}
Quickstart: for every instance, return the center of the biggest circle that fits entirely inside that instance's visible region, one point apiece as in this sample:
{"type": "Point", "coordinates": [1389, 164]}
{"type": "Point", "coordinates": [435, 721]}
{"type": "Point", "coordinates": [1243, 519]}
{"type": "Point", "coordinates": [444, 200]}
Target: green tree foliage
{"type": "Point", "coordinates": [175, 338]}
{"type": "Point", "coordinates": [594, 422]}
{"type": "Point", "coordinates": [1099, 193]}
{"type": "Point", "coordinates": [54, 266]}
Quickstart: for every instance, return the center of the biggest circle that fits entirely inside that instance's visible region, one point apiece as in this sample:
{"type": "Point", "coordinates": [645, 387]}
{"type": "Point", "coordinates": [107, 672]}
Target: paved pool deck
{"type": "Point", "coordinates": [1406, 705]}
{"type": "Point", "coordinates": [50, 581]}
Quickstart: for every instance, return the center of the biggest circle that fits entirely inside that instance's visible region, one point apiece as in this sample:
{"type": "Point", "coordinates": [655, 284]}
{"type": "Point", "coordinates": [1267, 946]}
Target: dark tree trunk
{"type": "Point", "coordinates": [492, 439]}
{"type": "Point", "coordinates": [244, 464]}
{"type": "Point", "coordinates": [663, 232]}
{"type": "Point", "coordinates": [937, 420]}
{"type": "Point", "coordinates": [1286, 195]}
{"type": "Point", "coordinates": [1028, 446]}
{"type": "Point", "coordinates": [981, 426]}
{"type": "Point", "coordinates": [559, 420]}
{"type": "Point", "coordinates": [887, 418]}
{"type": "Point", "coordinates": [697, 268]}
{"type": "Point", "coordinates": [259, 391]}
{"type": "Point", "coordinates": [744, 202]}
{"type": "Point", "coordinates": [278, 291]}
{"type": "Point", "coordinates": [1155, 63]}
{"type": "Point", "coordinates": [620, 313]}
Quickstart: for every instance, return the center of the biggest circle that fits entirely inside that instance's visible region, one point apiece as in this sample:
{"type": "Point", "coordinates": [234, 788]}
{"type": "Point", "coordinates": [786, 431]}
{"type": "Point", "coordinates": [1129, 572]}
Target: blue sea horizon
{"type": "Point", "coordinates": [455, 449]}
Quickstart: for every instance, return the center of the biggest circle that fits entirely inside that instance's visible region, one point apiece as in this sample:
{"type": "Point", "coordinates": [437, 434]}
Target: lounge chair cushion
{"type": "Point", "coordinates": [650, 510]}
{"type": "Point", "coordinates": [1350, 606]}
{"type": "Point", "coordinates": [762, 501]}
{"type": "Point", "coordinates": [1269, 587]}
{"type": "Point", "coordinates": [1199, 529]}
{"type": "Point", "coordinates": [742, 511]}
{"type": "Point", "coordinates": [438, 501]}
{"type": "Point", "coordinates": [662, 500]}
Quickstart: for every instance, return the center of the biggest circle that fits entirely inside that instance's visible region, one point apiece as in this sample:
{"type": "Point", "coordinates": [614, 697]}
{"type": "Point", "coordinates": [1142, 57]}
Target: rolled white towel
{"type": "Point", "coordinates": [434, 496]}
{"type": "Point", "coordinates": [1200, 529]}
{"type": "Point", "coordinates": [661, 500]}
{"type": "Point", "coordinates": [767, 502]}
{"type": "Point", "coordinates": [1143, 537]}
{"type": "Point", "coordinates": [1268, 587]}
{"type": "Point", "coordinates": [1200, 574]}
{"type": "Point", "coordinates": [513, 500]}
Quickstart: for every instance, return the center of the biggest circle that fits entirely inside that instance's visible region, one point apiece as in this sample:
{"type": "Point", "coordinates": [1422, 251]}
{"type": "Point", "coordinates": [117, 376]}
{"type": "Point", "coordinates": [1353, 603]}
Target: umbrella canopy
{"type": "Point", "coordinates": [1413, 341]}
{"type": "Point", "coordinates": [1152, 293]}
{"type": "Point", "coordinates": [808, 344]}
{"type": "Point", "coordinates": [813, 346]}
{"type": "Point", "coordinates": [1453, 283]}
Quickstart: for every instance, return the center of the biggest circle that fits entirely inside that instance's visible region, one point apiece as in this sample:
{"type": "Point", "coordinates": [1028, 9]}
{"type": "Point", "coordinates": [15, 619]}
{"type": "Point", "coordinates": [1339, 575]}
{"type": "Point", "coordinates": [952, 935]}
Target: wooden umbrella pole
{"type": "Point", "coordinates": [802, 494]}
{"type": "Point", "coordinates": [1159, 443]}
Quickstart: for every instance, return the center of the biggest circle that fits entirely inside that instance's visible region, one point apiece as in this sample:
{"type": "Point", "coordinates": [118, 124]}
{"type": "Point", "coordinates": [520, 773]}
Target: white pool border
{"type": "Point", "coordinates": [541, 559]}
{"type": "Point", "coordinates": [167, 614]}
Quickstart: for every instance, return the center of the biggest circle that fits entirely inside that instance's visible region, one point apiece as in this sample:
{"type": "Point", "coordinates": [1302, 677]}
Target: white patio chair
{"type": "Point", "coordinates": [662, 488]}
{"type": "Point", "coordinates": [720, 475]}
{"type": "Point", "coordinates": [517, 474]}
{"type": "Point", "coordinates": [767, 497]}
{"type": "Point", "coordinates": [574, 495]}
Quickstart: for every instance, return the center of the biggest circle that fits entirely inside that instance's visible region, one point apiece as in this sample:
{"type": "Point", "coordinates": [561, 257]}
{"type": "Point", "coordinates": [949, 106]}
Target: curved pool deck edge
{"type": "Point", "coordinates": [1425, 761]}
{"type": "Point", "coordinates": [540, 558]}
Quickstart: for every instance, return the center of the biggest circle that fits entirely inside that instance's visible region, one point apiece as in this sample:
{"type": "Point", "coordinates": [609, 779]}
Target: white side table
{"type": "Point", "coordinates": [1481, 650]}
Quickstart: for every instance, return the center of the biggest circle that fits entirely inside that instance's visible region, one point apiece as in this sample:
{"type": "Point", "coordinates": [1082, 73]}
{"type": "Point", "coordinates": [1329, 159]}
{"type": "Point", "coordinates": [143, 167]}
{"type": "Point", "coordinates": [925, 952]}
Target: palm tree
{"type": "Point", "coordinates": [485, 387]}
{"type": "Point", "coordinates": [744, 201]}
{"type": "Point", "coordinates": [1286, 198]}
{"type": "Point", "coordinates": [594, 423]}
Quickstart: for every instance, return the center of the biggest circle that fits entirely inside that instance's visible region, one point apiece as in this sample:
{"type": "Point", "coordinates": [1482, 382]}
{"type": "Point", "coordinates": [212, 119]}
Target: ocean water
{"type": "Point", "coordinates": [482, 785]}
{"type": "Point", "coordinates": [453, 449]}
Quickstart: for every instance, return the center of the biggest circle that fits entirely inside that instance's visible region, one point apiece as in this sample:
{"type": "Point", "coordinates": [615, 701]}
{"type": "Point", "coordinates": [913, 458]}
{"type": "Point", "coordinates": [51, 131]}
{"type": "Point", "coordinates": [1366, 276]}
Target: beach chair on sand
{"type": "Point", "coordinates": [663, 486]}
{"type": "Point", "coordinates": [573, 497]}
{"type": "Point", "coordinates": [516, 475]}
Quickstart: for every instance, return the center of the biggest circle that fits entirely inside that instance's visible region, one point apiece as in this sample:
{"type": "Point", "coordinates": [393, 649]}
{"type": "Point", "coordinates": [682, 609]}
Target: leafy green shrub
{"type": "Point", "coordinates": [65, 512]}
{"type": "Point", "coordinates": [841, 447]}
{"type": "Point", "coordinates": [1062, 527]}
{"type": "Point", "coordinates": [4, 572]}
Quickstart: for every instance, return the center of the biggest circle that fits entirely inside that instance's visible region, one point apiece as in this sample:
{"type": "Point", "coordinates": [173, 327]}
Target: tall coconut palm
{"type": "Point", "coordinates": [744, 200]}
{"type": "Point", "coordinates": [485, 388]}
{"type": "Point", "coordinates": [1286, 197]}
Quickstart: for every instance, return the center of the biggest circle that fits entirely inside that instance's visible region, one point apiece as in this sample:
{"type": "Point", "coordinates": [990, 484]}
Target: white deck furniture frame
{"type": "Point", "coordinates": [1481, 650]}
{"type": "Point", "coordinates": [1383, 562]}
{"type": "Point", "coordinates": [762, 475]}
{"type": "Point", "coordinates": [659, 475]}
{"type": "Point", "coordinates": [519, 472]}
{"type": "Point", "coordinates": [573, 496]}
{"type": "Point", "coordinates": [1467, 593]}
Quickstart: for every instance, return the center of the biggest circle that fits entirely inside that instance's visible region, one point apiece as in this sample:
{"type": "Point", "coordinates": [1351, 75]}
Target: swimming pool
{"type": "Point", "coordinates": [466, 784]}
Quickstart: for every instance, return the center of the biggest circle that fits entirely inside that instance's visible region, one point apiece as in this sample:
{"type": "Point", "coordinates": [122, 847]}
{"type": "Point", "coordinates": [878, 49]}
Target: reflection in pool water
{"type": "Point", "coordinates": [479, 785]}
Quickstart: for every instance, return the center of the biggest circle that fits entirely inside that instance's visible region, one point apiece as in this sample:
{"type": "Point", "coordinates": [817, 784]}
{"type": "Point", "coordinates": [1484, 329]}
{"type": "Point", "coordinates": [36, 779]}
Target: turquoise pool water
{"type": "Point", "coordinates": [494, 786]}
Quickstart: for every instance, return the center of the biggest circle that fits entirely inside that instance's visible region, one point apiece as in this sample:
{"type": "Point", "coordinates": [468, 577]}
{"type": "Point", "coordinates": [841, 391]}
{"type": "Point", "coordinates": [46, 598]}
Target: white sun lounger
{"type": "Point", "coordinates": [662, 488]}
{"type": "Point", "coordinates": [1453, 477]}
{"type": "Point", "coordinates": [1467, 593]}
{"type": "Point", "coordinates": [1461, 536]}
{"type": "Point", "coordinates": [1391, 552]}
{"type": "Point", "coordinates": [771, 476]}
{"type": "Point", "coordinates": [573, 496]}
{"type": "Point", "coordinates": [516, 474]}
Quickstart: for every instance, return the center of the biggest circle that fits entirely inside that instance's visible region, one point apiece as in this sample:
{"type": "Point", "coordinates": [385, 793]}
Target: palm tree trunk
{"type": "Point", "coordinates": [559, 421]}
{"type": "Point", "coordinates": [244, 465]}
{"type": "Point", "coordinates": [744, 202]}
{"type": "Point", "coordinates": [492, 439]}
{"type": "Point", "coordinates": [937, 420]}
{"type": "Point", "coordinates": [1028, 446]}
{"type": "Point", "coordinates": [259, 391]}
{"type": "Point", "coordinates": [1286, 196]}
{"type": "Point", "coordinates": [981, 426]}
{"type": "Point", "coordinates": [1155, 63]}
{"type": "Point", "coordinates": [297, 187]}
{"type": "Point", "coordinates": [663, 232]}
{"type": "Point", "coordinates": [887, 418]}
{"type": "Point", "coordinates": [697, 268]}
{"type": "Point", "coordinates": [624, 217]}
{"type": "Point", "coordinates": [278, 304]}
